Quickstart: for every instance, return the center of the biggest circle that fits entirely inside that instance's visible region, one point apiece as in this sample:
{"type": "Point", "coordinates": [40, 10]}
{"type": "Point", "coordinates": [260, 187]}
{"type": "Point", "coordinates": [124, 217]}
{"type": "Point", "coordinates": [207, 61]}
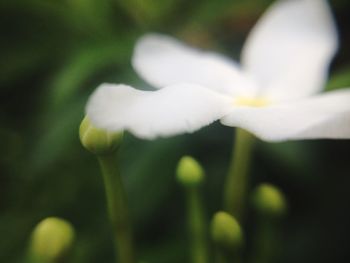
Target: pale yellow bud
{"type": "Point", "coordinates": [98, 141]}
{"type": "Point", "coordinates": [189, 171]}
{"type": "Point", "coordinates": [226, 232]}
{"type": "Point", "coordinates": [269, 200]}
{"type": "Point", "coordinates": [51, 240]}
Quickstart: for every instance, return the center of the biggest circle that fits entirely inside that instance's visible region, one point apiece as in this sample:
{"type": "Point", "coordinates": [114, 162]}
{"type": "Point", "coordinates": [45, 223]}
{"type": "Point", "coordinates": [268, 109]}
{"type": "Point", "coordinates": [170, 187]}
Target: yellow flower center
{"type": "Point", "coordinates": [251, 102]}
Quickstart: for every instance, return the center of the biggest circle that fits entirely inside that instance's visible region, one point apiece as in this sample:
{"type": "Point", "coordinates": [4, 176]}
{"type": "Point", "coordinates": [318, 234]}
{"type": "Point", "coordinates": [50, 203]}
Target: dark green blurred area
{"type": "Point", "coordinates": [54, 53]}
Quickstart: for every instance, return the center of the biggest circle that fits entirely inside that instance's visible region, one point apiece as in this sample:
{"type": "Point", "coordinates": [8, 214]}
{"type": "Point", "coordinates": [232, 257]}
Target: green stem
{"type": "Point", "coordinates": [117, 208]}
{"type": "Point", "coordinates": [265, 247]}
{"type": "Point", "coordinates": [228, 257]}
{"type": "Point", "coordinates": [220, 257]}
{"type": "Point", "coordinates": [237, 178]}
{"type": "Point", "coordinates": [197, 226]}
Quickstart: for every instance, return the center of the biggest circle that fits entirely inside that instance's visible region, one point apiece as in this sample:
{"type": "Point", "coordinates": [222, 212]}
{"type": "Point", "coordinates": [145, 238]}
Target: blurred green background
{"type": "Point", "coordinates": [55, 52]}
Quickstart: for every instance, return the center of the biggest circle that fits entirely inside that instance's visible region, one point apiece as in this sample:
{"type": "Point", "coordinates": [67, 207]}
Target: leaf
{"type": "Point", "coordinates": [340, 79]}
{"type": "Point", "coordinates": [85, 64]}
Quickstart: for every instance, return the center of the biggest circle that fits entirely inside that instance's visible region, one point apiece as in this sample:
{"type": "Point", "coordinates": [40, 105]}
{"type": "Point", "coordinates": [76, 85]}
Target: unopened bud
{"type": "Point", "coordinates": [269, 200]}
{"type": "Point", "coordinates": [226, 232]}
{"type": "Point", "coordinates": [98, 141]}
{"type": "Point", "coordinates": [189, 171]}
{"type": "Point", "coordinates": [51, 240]}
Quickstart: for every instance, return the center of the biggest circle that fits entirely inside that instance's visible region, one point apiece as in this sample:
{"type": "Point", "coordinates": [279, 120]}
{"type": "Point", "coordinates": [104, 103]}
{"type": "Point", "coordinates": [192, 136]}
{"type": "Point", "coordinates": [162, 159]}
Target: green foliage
{"type": "Point", "coordinates": [340, 79]}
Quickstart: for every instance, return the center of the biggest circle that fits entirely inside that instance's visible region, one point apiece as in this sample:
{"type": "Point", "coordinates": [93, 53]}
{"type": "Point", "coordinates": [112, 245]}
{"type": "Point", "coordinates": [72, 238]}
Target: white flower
{"type": "Point", "coordinates": [284, 64]}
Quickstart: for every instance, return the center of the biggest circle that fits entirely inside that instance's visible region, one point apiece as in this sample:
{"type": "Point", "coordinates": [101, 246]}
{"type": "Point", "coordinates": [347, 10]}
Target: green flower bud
{"type": "Point", "coordinates": [189, 171]}
{"type": "Point", "coordinates": [269, 200]}
{"type": "Point", "coordinates": [51, 240]}
{"type": "Point", "coordinates": [226, 232]}
{"type": "Point", "coordinates": [98, 141]}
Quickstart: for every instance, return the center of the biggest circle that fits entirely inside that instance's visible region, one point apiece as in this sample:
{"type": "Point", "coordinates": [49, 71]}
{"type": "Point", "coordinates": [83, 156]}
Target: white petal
{"type": "Point", "coordinates": [149, 114]}
{"type": "Point", "coordinates": [323, 116]}
{"type": "Point", "coordinates": [290, 48]}
{"type": "Point", "coordinates": [164, 61]}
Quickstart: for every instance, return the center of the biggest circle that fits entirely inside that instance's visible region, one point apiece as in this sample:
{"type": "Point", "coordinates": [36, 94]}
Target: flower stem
{"type": "Point", "coordinates": [237, 178]}
{"type": "Point", "coordinates": [266, 242]}
{"type": "Point", "coordinates": [117, 208]}
{"type": "Point", "coordinates": [197, 226]}
{"type": "Point", "coordinates": [220, 257]}
{"type": "Point", "coordinates": [224, 257]}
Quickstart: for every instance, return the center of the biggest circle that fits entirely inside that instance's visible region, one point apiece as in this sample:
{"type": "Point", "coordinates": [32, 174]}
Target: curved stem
{"type": "Point", "coordinates": [117, 208]}
{"type": "Point", "coordinates": [197, 226]}
{"type": "Point", "coordinates": [237, 178]}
